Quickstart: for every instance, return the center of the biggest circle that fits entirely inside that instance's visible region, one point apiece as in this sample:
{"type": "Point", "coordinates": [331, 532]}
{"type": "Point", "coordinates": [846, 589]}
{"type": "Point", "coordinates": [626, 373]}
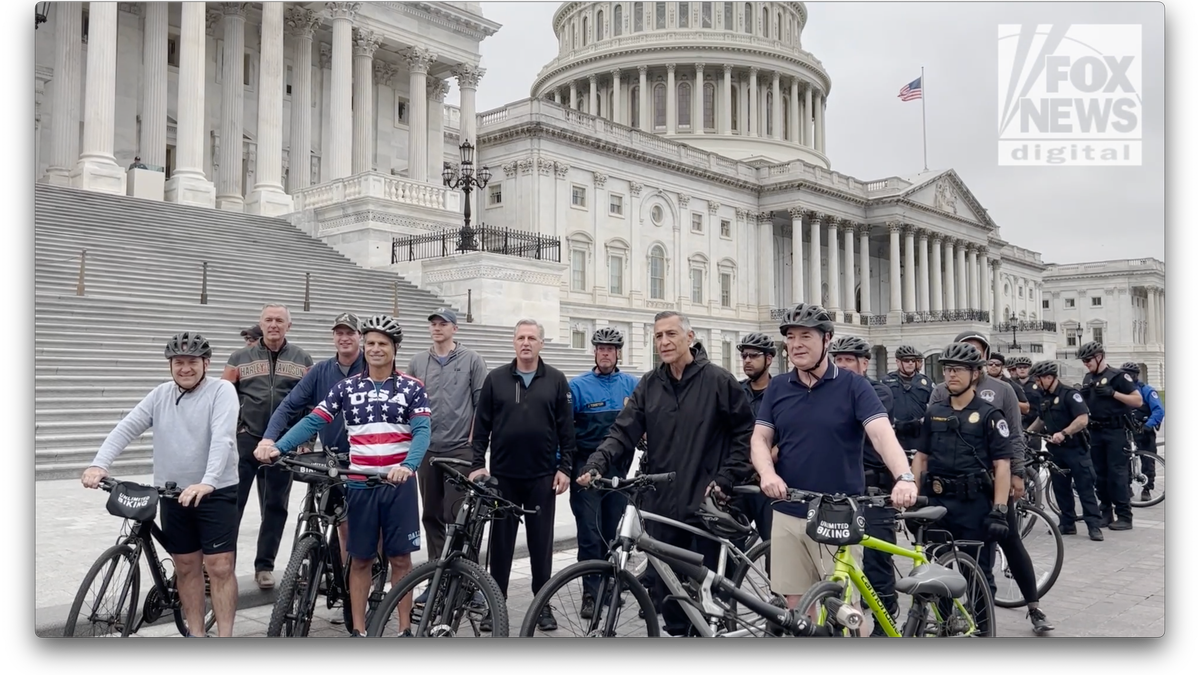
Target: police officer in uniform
{"type": "Point", "coordinates": [910, 395]}
{"type": "Point", "coordinates": [1018, 370]}
{"type": "Point", "coordinates": [1063, 415]}
{"type": "Point", "coordinates": [1111, 397]}
{"type": "Point", "coordinates": [758, 353]}
{"type": "Point", "coordinates": [853, 353]}
{"type": "Point", "coordinates": [963, 455]}
{"type": "Point", "coordinates": [1147, 420]}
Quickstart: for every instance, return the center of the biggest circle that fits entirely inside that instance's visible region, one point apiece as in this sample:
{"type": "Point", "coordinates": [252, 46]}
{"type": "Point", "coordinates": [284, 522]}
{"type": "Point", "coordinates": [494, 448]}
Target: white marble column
{"type": "Point", "coordinates": [806, 117]}
{"type": "Point", "coordinates": [985, 282]}
{"type": "Point", "coordinates": [834, 277]}
{"type": "Point", "coordinates": [776, 108]}
{"type": "Point", "coordinates": [848, 265]}
{"type": "Point", "coordinates": [268, 197]}
{"type": "Point", "coordinates": [645, 115]}
{"type": "Point", "coordinates": [997, 317]}
{"type": "Point", "coordinates": [960, 267]}
{"type": "Point", "coordinates": [188, 184]}
{"type": "Point", "coordinates": [864, 266]}
{"type": "Point", "coordinates": [436, 90]}
{"type": "Point", "coordinates": [468, 78]}
{"type": "Point", "coordinates": [672, 100]}
{"type": "Point", "coordinates": [574, 96]}
{"type": "Point", "coordinates": [325, 100]}
{"type": "Point", "coordinates": [362, 158]}
{"type": "Point", "coordinates": [794, 111]}
{"type": "Point", "coordinates": [339, 151]}
{"type": "Point", "coordinates": [1157, 320]}
{"type": "Point", "coordinates": [233, 108]}
{"type": "Point", "coordinates": [617, 114]}
{"type": "Point", "coordinates": [819, 123]}
{"type": "Point", "coordinates": [894, 229]}
{"type": "Point", "coordinates": [382, 152]}
{"type": "Point", "coordinates": [727, 102]}
{"type": "Point", "coordinates": [419, 60]}
{"type": "Point", "coordinates": [97, 169]}
{"type": "Point", "coordinates": [950, 277]}
{"type": "Point", "coordinates": [558, 96]}
{"type": "Point", "coordinates": [593, 100]}
{"type": "Point", "coordinates": [935, 272]}
{"type": "Point", "coordinates": [154, 85]}
{"type": "Point", "coordinates": [923, 271]}
{"type": "Point", "coordinates": [698, 101]}
{"type": "Point", "coordinates": [973, 279]}
{"type": "Point", "coordinates": [797, 255]}
{"type": "Point", "coordinates": [766, 253]}
{"type": "Point", "coordinates": [302, 23]}
{"type": "Point", "coordinates": [65, 87]}
{"type": "Point", "coordinates": [910, 271]}
{"type": "Point", "coordinates": [752, 118]}
{"type": "Point", "coordinates": [814, 257]}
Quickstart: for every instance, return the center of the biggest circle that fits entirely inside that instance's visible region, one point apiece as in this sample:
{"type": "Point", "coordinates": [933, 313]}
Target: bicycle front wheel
{"type": "Point", "coordinates": [297, 597]}
{"type": "Point", "coordinates": [1044, 543]}
{"type": "Point", "coordinates": [477, 598]}
{"type": "Point", "coordinates": [564, 595]}
{"type": "Point", "coordinates": [813, 601]}
{"type": "Point", "coordinates": [380, 573]}
{"type": "Point", "coordinates": [108, 596]}
{"type": "Point", "coordinates": [754, 577]}
{"type": "Point", "coordinates": [1148, 479]}
{"type": "Point", "coordinates": [977, 600]}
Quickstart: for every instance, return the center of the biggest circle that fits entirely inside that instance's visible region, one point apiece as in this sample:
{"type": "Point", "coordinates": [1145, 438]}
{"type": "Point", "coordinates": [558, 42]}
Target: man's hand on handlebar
{"type": "Point", "coordinates": [589, 474]}
{"type": "Point", "coordinates": [1058, 438]}
{"type": "Point", "coordinates": [773, 486]}
{"type": "Point", "coordinates": [92, 476]}
{"type": "Point", "coordinates": [904, 494]}
{"type": "Point", "coordinates": [478, 473]}
{"type": "Point", "coordinates": [399, 475]}
{"type": "Point", "coordinates": [266, 451]}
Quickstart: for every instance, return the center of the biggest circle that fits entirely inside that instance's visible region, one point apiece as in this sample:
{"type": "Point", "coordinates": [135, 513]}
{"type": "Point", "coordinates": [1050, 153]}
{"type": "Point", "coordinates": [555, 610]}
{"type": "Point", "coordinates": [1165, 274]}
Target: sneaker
{"type": "Point", "coordinates": [1121, 524]}
{"type": "Point", "coordinates": [1106, 517]}
{"type": "Point", "coordinates": [589, 607]}
{"type": "Point", "coordinates": [1038, 618]}
{"type": "Point", "coordinates": [355, 633]}
{"type": "Point", "coordinates": [265, 579]}
{"type": "Point", "coordinates": [418, 606]}
{"type": "Point", "coordinates": [1146, 496]}
{"type": "Point", "coordinates": [407, 632]}
{"type": "Point", "coordinates": [546, 621]}
{"type": "Point", "coordinates": [1095, 534]}
{"type": "Point", "coordinates": [1066, 529]}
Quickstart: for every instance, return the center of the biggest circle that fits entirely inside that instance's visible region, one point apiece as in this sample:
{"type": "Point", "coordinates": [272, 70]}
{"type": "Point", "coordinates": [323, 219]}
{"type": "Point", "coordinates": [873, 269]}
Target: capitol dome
{"type": "Point", "coordinates": [687, 70]}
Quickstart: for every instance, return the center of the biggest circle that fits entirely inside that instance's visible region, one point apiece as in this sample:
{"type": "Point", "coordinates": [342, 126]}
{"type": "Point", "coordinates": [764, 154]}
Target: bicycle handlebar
{"type": "Point", "coordinates": [643, 481]}
{"type": "Point", "coordinates": [805, 495]}
{"type": "Point", "coordinates": [484, 486]}
{"type": "Point", "coordinates": [293, 464]}
{"type": "Point", "coordinates": [168, 491]}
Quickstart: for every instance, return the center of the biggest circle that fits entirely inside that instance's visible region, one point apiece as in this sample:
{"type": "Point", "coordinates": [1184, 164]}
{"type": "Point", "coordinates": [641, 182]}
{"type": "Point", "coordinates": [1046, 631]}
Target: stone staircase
{"type": "Point", "coordinates": [99, 354]}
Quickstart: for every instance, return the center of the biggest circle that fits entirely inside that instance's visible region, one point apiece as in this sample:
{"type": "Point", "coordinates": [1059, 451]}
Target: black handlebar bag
{"type": "Point", "coordinates": [133, 501]}
{"type": "Point", "coordinates": [835, 521]}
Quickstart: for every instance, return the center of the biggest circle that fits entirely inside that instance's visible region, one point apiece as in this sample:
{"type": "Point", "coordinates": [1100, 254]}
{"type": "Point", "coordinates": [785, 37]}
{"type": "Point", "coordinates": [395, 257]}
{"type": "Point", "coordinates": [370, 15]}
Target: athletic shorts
{"type": "Point", "coordinates": [798, 562]}
{"type": "Point", "coordinates": [387, 510]}
{"type": "Point", "coordinates": [211, 526]}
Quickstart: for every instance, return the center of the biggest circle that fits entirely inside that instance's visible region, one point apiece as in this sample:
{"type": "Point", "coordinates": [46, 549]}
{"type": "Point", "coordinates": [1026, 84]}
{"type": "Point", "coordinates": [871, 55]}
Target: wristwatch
{"type": "Point", "coordinates": [1002, 508]}
{"type": "Point", "coordinates": [907, 477]}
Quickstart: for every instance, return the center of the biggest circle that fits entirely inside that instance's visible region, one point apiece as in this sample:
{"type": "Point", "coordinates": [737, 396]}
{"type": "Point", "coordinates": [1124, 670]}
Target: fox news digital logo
{"type": "Point", "coordinates": [1070, 95]}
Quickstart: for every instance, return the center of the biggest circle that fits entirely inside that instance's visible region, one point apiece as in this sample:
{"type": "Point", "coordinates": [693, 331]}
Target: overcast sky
{"type": "Point", "coordinates": [871, 50]}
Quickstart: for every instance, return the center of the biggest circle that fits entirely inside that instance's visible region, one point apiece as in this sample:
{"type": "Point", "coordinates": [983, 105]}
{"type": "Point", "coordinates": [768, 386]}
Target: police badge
{"type": "Point", "coordinates": [937, 486]}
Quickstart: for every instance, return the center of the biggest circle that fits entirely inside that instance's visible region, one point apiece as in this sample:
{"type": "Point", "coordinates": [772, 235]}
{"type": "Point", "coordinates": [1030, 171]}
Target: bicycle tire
{"type": "Point", "coordinates": [467, 569]}
{"type": "Point", "coordinates": [1160, 470]}
{"type": "Point", "coordinates": [970, 570]}
{"type": "Point", "coordinates": [380, 569]}
{"type": "Point", "coordinates": [112, 555]}
{"type": "Point", "coordinates": [603, 568]}
{"type": "Point", "coordinates": [308, 549]}
{"type": "Point", "coordinates": [1045, 583]}
{"type": "Point", "coordinates": [758, 551]}
{"type": "Point", "coordinates": [817, 594]}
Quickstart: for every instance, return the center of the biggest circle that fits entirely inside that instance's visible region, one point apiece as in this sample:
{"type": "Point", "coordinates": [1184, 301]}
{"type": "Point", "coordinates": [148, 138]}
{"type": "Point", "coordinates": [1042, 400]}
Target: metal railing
{"type": "Point", "coordinates": [947, 316]}
{"type": "Point", "coordinates": [1025, 326]}
{"type": "Point", "coordinates": [485, 238]}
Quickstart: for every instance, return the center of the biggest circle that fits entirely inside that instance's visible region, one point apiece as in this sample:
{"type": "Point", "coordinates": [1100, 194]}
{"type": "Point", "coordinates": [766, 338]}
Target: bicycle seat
{"type": "Point", "coordinates": [933, 580]}
{"type": "Point", "coordinates": [923, 516]}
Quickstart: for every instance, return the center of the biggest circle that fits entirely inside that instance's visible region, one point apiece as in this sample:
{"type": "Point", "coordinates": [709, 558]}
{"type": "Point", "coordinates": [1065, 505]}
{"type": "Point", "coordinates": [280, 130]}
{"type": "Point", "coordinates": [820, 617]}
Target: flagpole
{"type": "Point", "coordinates": [924, 142]}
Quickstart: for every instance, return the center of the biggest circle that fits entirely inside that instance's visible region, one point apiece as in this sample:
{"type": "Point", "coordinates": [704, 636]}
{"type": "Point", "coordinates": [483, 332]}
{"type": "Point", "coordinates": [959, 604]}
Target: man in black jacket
{"type": "Point", "coordinates": [697, 422]}
{"type": "Point", "coordinates": [525, 413]}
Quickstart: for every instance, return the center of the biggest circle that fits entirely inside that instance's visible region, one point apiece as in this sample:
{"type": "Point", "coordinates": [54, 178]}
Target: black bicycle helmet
{"type": "Point", "coordinates": [998, 357]}
{"type": "Point", "coordinates": [1131, 368]}
{"type": "Point", "coordinates": [1019, 361]}
{"type": "Point", "coordinates": [760, 341]}
{"type": "Point", "coordinates": [1044, 369]}
{"type": "Point", "coordinates": [1089, 350]}
{"type": "Point", "coordinates": [907, 352]}
{"type": "Point", "coordinates": [850, 344]}
{"type": "Point", "coordinates": [976, 335]}
{"type": "Point", "coordinates": [188, 344]}
{"type": "Point", "coordinates": [608, 336]}
{"type": "Point", "coordinates": [720, 521]}
{"type": "Point", "coordinates": [382, 323]}
{"type": "Point", "coordinates": [807, 316]}
{"type": "Point", "coordinates": [961, 354]}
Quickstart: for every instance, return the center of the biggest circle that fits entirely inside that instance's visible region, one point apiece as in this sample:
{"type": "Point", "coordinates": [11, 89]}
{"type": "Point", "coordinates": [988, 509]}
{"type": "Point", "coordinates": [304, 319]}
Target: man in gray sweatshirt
{"type": "Point", "coordinates": [194, 418]}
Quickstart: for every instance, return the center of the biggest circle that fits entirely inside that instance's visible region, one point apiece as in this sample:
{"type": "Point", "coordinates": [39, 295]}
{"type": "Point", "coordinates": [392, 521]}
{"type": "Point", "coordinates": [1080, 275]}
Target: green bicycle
{"type": "Point", "coordinates": [942, 589]}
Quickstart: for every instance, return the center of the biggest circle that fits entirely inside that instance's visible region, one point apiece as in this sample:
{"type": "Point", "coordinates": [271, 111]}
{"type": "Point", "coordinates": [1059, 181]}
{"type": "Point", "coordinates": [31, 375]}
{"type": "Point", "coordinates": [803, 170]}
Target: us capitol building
{"type": "Point", "coordinates": [672, 156]}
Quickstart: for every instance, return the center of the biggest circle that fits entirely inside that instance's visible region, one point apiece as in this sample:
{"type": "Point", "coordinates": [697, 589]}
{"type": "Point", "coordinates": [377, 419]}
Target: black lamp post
{"type": "Point", "coordinates": [41, 13]}
{"type": "Point", "coordinates": [466, 179]}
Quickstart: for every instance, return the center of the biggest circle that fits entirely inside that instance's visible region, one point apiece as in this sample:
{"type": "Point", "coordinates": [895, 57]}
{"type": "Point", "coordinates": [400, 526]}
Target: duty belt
{"type": "Point", "coordinates": [1119, 422]}
{"type": "Point", "coordinates": [960, 487]}
{"type": "Point", "coordinates": [880, 478]}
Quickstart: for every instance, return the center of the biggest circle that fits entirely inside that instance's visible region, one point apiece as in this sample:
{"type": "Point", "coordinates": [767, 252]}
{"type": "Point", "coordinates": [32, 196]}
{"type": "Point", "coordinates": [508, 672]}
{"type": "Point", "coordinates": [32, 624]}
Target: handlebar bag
{"type": "Point", "coordinates": [133, 501]}
{"type": "Point", "coordinates": [835, 521]}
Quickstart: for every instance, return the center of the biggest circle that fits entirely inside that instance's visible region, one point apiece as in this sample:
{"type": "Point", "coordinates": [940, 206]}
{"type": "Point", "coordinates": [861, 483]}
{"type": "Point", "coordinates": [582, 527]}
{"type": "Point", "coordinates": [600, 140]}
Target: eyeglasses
{"type": "Point", "coordinates": [910, 360]}
{"type": "Point", "coordinates": [955, 370]}
{"type": "Point", "coordinates": [748, 356]}
{"type": "Point", "coordinates": [1090, 359]}
{"type": "Point", "coordinates": [995, 364]}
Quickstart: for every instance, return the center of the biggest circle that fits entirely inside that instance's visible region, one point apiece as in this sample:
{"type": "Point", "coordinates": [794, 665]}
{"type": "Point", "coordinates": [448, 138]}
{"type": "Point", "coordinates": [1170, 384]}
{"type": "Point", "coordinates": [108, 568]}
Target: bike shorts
{"type": "Point", "coordinates": [390, 510]}
{"type": "Point", "coordinates": [210, 526]}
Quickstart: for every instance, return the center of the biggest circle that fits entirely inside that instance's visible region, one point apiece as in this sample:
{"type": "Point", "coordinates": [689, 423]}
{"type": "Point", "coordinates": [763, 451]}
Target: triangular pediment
{"type": "Point", "coordinates": [947, 193]}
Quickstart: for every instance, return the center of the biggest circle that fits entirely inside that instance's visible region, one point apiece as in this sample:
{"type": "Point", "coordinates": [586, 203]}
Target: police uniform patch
{"type": "Point", "coordinates": [1076, 396]}
{"type": "Point", "coordinates": [1128, 377]}
{"type": "Point", "coordinates": [973, 418]}
{"type": "Point", "coordinates": [1154, 394]}
{"type": "Point", "coordinates": [1056, 399]}
{"type": "Point", "coordinates": [1002, 427]}
{"type": "Point", "coordinates": [1103, 381]}
{"type": "Point", "coordinates": [988, 395]}
{"type": "Point", "coordinates": [625, 402]}
{"type": "Point", "coordinates": [923, 382]}
{"type": "Point", "coordinates": [1035, 387]}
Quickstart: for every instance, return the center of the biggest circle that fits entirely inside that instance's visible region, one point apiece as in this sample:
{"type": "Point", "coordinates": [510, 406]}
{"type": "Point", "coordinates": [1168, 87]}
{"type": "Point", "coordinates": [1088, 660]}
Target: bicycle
{"type": "Point", "coordinates": [458, 586]}
{"type": "Point", "coordinates": [936, 586]}
{"type": "Point", "coordinates": [711, 604]}
{"type": "Point", "coordinates": [1137, 478]}
{"type": "Point", "coordinates": [138, 534]}
{"type": "Point", "coordinates": [315, 567]}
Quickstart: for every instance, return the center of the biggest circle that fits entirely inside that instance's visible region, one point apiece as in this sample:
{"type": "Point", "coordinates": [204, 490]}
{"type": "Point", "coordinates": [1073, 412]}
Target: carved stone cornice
{"type": "Point", "coordinates": [468, 76]}
{"type": "Point", "coordinates": [366, 42]}
{"type": "Point", "coordinates": [846, 225]}
{"type": "Point", "coordinates": [895, 226]}
{"type": "Point", "coordinates": [635, 189]}
{"type": "Point", "coordinates": [211, 18]}
{"type": "Point", "coordinates": [561, 169]}
{"type": "Point", "coordinates": [642, 70]}
{"type": "Point", "coordinates": [525, 164]}
{"type": "Point", "coordinates": [797, 212]}
{"type": "Point", "coordinates": [234, 9]}
{"type": "Point", "coordinates": [814, 216]}
{"type": "Point", "coordinates": [384, 72]}
{"type": "Point", "coordinates": [684, 200]}
{"type": "Point", "coordinates": [325, 56]}
{"type": "Point", "coordinates": [599, 179]}
{"type": "Point", "coordinates": [301, 22]}
{"type": "Point", "coordinates": [766, 218]}
{"type": "Point", "coordinates": [753, 72]}
{"type": "Point", "coordinates": [864, 229]}
{"type": "Point", "coordinates": [545, 166]}
{"type": "Point", "coordinates": [419, 59]}
{"type": "Point", "coordinates": [592, 79]}
{"type": "Point", "coordinates": [342, 10]}
{"type": "Point", "coordinates": [728, 70]}
{"type": "Point", "coordinates": [510, 169]}
{"type": "Point", "coordinates": [436, 89]}
{"type": "Point", "coordinates": [699, 70]}
{"type": "Point", "coordinates": [671, 68]}
{"type": "Point", "coordinates": [713, 207]}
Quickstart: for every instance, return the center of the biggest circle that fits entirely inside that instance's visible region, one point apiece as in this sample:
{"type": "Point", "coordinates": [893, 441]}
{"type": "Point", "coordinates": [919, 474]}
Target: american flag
{"type": "Point", "coordinates": [911, 91]}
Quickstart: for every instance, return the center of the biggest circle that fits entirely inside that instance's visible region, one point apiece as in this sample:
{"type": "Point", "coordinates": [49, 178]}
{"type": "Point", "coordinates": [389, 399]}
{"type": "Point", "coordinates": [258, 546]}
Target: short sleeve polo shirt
{"type": "Point", "coordinates": [820, 431]}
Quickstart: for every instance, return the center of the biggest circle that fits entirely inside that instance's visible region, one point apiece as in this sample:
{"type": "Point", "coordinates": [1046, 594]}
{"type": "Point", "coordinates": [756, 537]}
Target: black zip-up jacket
{"type": "Point", "coordinates": [698, 427]}
{"type": "Point", "coordinates": [526, 426]}
{"type": "Point", "coordinates": [264, 380]}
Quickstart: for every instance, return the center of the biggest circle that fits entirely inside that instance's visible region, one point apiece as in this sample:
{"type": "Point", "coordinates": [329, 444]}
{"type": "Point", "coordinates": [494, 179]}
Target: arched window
{"type": "Point", "coordinates": [728, 15]}
{"type": "Point", "coordinates": [710, 95]}
{"type": "Point", "coordinates": [639, 15]}
{"type": "Point", "coordinates": [778, 26]}
{"type": "Point", "coordinates": [660, 15]}
{"type": "Point", "coordinates": [634, 105]}
{"type": "Point", "coordinates": [787, 127]}
{"type": "Point", "coordinates": [574, 36]}
{"type": "Point", "coordinates": [658, 273]}
{"type": "Point", "coordinates": [748, 18]}
{"type": "Point", "coordinates": [683, 104]}
{"type": "Point", "coordinates": [585, 31]}
{"type": "Point", "coordinates": [766, 23]}
{"type": "Point", "coordinates": [733, 109]}
{"type": "Point", "coordinates": [618, 17]}
{"type": "Point", "coordinates": [600, 25]}
{"type": "Point", "coordinates": [612, 114]}
{"type": "Point", "coordinates": [770, 113]}
{"type": "Point", "coordinates": [660, 105]}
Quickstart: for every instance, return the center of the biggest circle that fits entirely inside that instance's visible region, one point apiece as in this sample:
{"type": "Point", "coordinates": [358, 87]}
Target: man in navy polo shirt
{"type": "Point", "coordinates": [818, 415]}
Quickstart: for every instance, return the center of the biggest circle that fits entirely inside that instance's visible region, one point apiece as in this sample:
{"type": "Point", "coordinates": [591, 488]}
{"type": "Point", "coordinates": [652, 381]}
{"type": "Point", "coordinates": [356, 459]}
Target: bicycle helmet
{"type": "Point", "coordinates": [961, 354]}
{"type": "Point", "coordinates": [382, 323]}
{"type": "Point", "coordinates": [1131, 368]}
{"type": "Point", "coordinates": [1019, 361]}
{"type": "Point", "coordinates": [907, 352]}
{"type": "Point", "coordinates": [850, 344]}
{"type": "Point", "coordinates": [760, 341]}
{"type": "Point", "coordinates": [977, 336]}
{"type": "Point", "coordinates": [721, 521]}
{"type": "Point", "coordinates": [1089, 350]}
{"type": "Point", "coordinates": [608, 336]}
{"type": "Point", "coordinates": [1044, 369]}
{"type": "Point", "coordinates": [807, 316]}
{"type": "Point", "coordinates": [998, 357]}
{"type": "Point", "coordinates": [188, 344]}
